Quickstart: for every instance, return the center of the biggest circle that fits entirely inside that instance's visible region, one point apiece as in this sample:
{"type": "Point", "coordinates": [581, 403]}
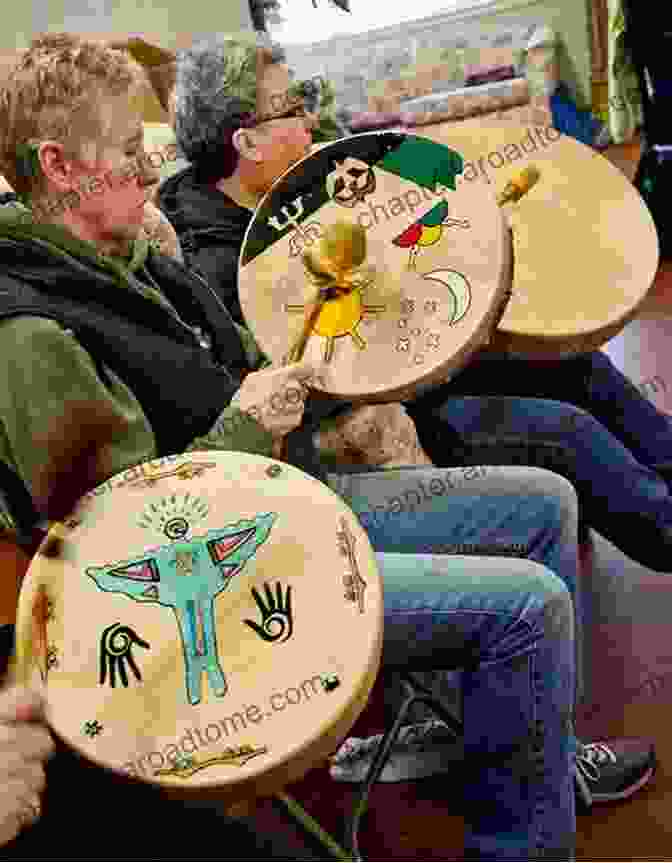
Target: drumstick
{"type": "Point", "coordinates": [298, 349]}
{"type": "Point", "coordinates": [312, 313]}
{"type": "Point", "coordinates": [519, 186]}
{"type": "Point", "coordinates": [342, 248]}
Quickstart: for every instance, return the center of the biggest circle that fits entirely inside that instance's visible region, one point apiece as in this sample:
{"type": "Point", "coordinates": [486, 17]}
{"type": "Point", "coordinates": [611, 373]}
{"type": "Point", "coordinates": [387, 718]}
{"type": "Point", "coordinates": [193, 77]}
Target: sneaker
{"type": "Point", "coordinates": [422, 749]}
{"type": "Point", "coordinates": [612, 770]}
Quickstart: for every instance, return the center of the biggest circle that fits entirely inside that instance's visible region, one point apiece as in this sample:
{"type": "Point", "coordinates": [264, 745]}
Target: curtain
{"type": "Point", "coordinates": [600, 29]}
{"type": "Point", "coordinates": [625, 105]}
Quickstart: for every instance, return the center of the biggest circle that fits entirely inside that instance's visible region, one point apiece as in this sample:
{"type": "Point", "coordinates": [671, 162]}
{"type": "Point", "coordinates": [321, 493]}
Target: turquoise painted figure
{"type": "Point", "coordinates": [187, 576]}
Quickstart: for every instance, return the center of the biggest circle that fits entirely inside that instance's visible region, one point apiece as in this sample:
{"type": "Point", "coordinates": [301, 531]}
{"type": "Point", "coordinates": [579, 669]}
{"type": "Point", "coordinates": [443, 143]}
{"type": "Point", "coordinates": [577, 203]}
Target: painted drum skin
{"type": "Point", "coordinates": [191, 633]}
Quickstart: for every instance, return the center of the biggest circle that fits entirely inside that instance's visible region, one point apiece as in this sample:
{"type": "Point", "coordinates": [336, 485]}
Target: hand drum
{"type": "Point", "coordinates": [425, 296]}
{"type": "Point", "coordinates": [214, 623]}
{"type": "Point", "coordinates": [586, 247]}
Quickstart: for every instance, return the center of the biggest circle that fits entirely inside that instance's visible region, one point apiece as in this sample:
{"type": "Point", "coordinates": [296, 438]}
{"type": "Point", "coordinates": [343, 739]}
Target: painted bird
{"type": "Point", "coordinates": [427, 231]}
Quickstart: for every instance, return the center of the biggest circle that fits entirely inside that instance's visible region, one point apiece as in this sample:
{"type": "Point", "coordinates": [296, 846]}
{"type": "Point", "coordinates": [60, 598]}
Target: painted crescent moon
{"type": "Point", "coordinates": [458, 289]}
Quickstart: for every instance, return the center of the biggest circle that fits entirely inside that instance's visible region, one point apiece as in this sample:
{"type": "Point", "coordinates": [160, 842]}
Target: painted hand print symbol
{"type": "Point", "coordinates": [116, 644]}
{"type": "Point", "coordinates": [276, 614]}
{"type": "Point", "coordinates": [187, 577]}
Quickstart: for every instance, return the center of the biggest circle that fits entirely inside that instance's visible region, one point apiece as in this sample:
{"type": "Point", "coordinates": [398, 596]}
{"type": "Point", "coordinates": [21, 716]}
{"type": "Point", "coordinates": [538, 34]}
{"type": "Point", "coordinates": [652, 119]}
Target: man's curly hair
{"type": "Point", "coordinates": [215, 95]}
{"type": "Point", "coordinates": [54, 93]}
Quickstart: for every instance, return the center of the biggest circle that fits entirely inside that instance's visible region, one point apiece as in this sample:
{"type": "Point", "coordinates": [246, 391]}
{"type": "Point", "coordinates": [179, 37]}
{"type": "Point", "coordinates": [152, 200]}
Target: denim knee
{"type": "Point", "coordinates": [560, 492]}
{"type": "Point", "coordinates": [551, 600]}
{"type": "Point", "coordinates": [543, 586]}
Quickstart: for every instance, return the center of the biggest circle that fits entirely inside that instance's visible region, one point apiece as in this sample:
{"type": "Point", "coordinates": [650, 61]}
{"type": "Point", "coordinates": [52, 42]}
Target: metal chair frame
{"type": "Point", "coordinates": [415, 693]}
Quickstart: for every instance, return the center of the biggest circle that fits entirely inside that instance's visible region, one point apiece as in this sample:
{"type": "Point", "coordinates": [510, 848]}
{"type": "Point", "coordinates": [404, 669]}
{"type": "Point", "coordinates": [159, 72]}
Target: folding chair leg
{"type": "Point", "coordinates": [424, 696]}
{"type": "Point", "coordinates": [416, 692]}
{"type": "Point", "coordinates": [311, 826]}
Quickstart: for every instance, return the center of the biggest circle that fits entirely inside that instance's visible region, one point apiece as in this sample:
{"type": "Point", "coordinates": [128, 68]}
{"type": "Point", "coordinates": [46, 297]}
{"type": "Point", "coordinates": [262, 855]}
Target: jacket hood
{"type": "Point", "coordinates": [50, 252]}
{"type": "Point", "coordinates": [192, 207]}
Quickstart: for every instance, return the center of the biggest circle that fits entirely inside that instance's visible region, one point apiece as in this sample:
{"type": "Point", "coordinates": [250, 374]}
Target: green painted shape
{"type": "Point", "coordinates": [436, 216]}
{"type": "Point", "coordinates": [424, 162]}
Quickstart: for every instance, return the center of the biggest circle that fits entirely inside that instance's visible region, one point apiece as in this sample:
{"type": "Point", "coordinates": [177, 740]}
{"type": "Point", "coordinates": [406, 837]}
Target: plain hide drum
{"type": "Point", "coordinates": [585, 246]}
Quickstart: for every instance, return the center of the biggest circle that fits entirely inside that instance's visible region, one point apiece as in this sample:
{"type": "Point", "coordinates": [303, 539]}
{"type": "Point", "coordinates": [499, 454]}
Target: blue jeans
{"type": "Point", "coordinates": [484, 511]}
{"type": "Point", "coordinates": [579, 417]}
{"type": "Point", "coordinates": [507, 623]}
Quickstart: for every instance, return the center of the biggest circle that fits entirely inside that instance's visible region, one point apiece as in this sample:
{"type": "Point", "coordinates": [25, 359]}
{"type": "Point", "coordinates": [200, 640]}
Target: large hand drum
{"type": "Point", "coordinates": [214, 624]}
{"type": "Point", "coordinates": [586, 248]}
{"type": "Point", "coordinates": [428, 294]}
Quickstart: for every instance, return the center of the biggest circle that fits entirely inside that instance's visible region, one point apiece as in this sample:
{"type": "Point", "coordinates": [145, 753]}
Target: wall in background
{"type": "Point", "coordinates": [168, 22]}
{"type": "Point", "coordinates": [571, 20]}
{"type": "Point", "coordinates": [356, 62]}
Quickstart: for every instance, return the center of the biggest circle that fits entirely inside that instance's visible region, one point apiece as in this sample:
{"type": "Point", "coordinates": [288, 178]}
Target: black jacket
{"type": "Point", "coordinates": [211, 228]}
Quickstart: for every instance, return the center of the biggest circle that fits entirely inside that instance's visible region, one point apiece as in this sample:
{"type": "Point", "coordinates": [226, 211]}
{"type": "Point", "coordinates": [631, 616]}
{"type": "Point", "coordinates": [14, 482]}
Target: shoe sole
{"type": "Point", "coordinates": [633, 789]}
{"type": "Point", "coordinates": [405, 766]}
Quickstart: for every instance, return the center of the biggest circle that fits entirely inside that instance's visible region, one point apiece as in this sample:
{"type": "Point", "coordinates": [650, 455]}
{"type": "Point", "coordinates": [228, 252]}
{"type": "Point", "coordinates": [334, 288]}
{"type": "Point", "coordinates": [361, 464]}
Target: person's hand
{"type": "Point", "coordinates": [25, 744]}
{"type": "Point", "coordinates": [276, 397]}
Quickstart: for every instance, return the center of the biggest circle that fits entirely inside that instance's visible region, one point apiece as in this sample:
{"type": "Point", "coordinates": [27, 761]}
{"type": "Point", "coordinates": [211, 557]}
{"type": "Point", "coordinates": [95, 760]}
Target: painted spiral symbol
{"type": "Point", "coordinates": [176, 528]}
{"type": "Point", "coordinates": [118, 647]}
{"type": "Point", "coordinates": [279, 622]}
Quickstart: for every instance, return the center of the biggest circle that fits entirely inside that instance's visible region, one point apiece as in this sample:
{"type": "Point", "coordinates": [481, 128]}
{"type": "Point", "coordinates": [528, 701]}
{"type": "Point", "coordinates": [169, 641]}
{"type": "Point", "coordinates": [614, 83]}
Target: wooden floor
{"type": "Point", "coordinates": [641, 828]}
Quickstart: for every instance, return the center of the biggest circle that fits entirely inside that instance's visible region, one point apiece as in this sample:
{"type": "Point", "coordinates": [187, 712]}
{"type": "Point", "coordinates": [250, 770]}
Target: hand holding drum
{"type": "Point", "coordinates": [341, 249]}
{"type": "Point", "coordinates": [276, 397]}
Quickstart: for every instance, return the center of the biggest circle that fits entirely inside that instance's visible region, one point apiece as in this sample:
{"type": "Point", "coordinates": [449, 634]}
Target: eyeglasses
{"type": "Point", "coordinates": [295, 112]}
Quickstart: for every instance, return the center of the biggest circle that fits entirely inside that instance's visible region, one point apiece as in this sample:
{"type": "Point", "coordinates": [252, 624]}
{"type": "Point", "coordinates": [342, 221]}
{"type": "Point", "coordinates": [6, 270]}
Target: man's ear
{"type": "Point", "coordinates": [244, 140]}
{"type": "Point", "coordinates": [53, 163]}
